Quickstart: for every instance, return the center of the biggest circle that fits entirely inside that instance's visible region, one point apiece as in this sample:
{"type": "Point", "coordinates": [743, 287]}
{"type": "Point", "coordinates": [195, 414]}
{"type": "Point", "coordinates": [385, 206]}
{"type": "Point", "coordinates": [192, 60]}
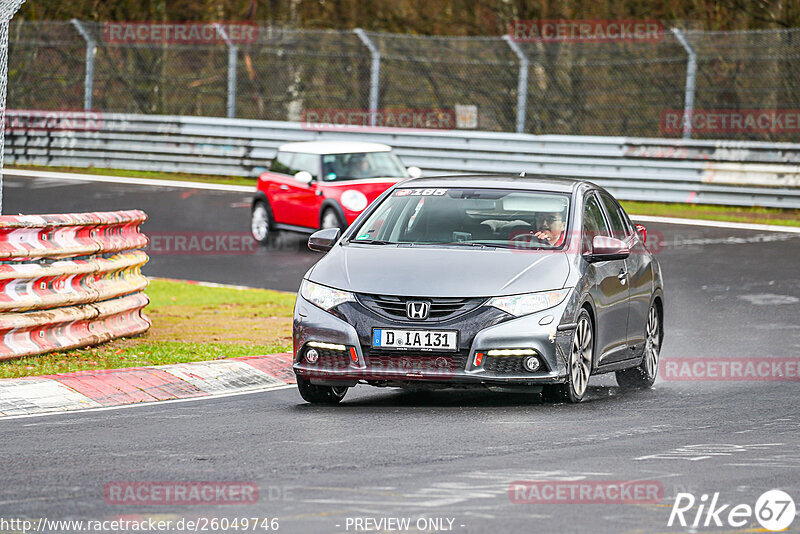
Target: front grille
{"type": "Point", "coordinates": [409, 362]}
{"type": "Point", "coordinates": [504, 364]}
{"type": "Point", "coordinates": [441, 308]}
{"type": "Point", "coordinates": [329, 359]}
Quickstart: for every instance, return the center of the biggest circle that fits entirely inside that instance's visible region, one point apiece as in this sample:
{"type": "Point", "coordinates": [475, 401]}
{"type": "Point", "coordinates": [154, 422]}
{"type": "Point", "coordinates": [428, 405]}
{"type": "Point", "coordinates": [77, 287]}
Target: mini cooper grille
{"type": "Point", "coordinates": [415, 362]}
{"type": "Point", "coordinates": [504, 365]}
{"type": "Point", "coordinates": [441, 308]}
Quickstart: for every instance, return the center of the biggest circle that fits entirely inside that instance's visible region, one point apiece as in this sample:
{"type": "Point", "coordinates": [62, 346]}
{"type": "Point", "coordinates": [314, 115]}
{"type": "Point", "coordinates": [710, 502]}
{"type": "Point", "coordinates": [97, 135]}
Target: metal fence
{"type": "Point", "coordinates": [568, 88]}
{"type": "Point", "coordinates": [743, 173]}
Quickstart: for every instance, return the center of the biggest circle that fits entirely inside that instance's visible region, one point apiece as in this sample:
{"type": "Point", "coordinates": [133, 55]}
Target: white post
{"type": "Point", "coordinates": [522, 82]}
{"type": "Point", "coordinates": [233, 53]}
{"type": "Point", "coordinates": [7, 10]}
{"type": "Point", "coordinates": [691, 74]}
{"type": "Point", "coordinates": [374, 74]}
{"type": "Point", "coordinates": [91, 50]}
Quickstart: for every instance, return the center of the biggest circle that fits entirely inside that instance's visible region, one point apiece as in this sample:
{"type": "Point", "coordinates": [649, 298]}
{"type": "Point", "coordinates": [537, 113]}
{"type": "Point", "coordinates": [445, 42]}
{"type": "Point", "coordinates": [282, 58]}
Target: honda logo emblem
{"type": "Point", "coordinates": [417, 309]}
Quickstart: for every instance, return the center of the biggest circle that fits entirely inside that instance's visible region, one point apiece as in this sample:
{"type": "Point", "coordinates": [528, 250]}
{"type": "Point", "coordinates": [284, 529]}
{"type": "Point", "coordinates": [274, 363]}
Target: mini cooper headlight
{"type": "Point", "coordinates": [354, 200]}
{"type": "Point", "coordinates": [527, 303]}
{"type": "Point", "coordinates": [324, 297]}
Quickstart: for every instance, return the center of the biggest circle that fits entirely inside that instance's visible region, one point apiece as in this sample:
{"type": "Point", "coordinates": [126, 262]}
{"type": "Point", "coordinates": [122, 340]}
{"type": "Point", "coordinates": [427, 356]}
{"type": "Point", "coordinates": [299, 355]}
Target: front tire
{"type": "Point", "coordinates": [579, 367]}
{"type": "Point", "coordinates": [320, 394]}
{"type": "Point", "coordinates": [330, 219]}
{"type": "Point", "coordinates": [644, 376]}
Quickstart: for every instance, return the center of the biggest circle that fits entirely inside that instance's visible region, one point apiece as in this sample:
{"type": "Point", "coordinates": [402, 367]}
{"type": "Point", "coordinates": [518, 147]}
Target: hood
{"type": "Point", "coordinates": [440, 272]}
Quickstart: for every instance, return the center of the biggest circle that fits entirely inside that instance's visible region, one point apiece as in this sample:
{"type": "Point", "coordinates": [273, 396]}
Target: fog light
{"type": "Point", "coordinates": [531, 364]}
{"type": "Point", "coordinates": [312, 356]}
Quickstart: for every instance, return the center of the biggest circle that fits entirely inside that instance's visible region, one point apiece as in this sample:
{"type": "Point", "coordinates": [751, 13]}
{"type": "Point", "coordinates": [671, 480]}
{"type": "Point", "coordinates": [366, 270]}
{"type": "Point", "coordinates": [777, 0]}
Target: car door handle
{"type": "Point", "coordinates": [284, 188]}
{"type": "Point", "coordinates": [623, 275]}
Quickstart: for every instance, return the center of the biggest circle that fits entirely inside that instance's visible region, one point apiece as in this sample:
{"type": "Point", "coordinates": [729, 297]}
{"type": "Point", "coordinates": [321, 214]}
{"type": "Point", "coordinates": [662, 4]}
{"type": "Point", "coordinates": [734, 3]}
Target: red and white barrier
{"type": "Point", "coordinates": [70, 280]}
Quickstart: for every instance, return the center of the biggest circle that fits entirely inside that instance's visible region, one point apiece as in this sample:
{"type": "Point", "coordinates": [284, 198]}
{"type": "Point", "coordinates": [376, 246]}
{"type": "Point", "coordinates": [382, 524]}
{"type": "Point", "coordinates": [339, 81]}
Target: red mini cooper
{"type": "Point", "coordinates": [322, 184]}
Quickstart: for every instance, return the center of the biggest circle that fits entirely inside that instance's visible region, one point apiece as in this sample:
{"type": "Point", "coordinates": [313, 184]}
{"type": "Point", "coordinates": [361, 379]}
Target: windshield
{"type": "Point", "coordinates": [469, 217]}
{"type": "Point", "coordinates": [358, 166]}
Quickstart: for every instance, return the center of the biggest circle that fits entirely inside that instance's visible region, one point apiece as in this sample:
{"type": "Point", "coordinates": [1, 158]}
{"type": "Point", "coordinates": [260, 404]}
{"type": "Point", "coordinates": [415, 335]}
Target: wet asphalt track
{"type": "Point", "coordinates": [384, 453]}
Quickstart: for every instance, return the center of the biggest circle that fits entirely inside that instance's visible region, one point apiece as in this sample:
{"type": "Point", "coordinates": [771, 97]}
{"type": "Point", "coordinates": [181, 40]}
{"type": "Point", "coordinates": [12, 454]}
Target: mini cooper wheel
{"type": "Point", "coordinates": [260, 223]}
{"type": "Point", "coordinates": [331, 220]}
{"type": "Point", "coordinates": [320, 394]}
{"type": "Point", "coordinates": [579, 367]}
{"type": "Point", "coordinates": [644, 376]}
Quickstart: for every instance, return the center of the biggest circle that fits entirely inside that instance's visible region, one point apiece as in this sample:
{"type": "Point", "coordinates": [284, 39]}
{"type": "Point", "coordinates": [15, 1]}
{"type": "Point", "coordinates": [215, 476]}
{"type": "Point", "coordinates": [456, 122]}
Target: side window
{"type": "Point", "coordinates": [306, 162]}
{"type": "Point", "coordinates": [618, 227]}
{"type": "Point", "coordinates": [282, 163]}
{"type": "Point", "coordinates": [593, 222]}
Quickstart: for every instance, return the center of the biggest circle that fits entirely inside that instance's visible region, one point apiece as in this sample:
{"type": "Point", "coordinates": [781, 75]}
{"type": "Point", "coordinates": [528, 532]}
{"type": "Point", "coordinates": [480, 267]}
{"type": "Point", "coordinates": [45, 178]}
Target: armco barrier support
{"type": "Point", "coordinates": [70, 280]}
{"type": "Point", "coordinates": [743, 173]}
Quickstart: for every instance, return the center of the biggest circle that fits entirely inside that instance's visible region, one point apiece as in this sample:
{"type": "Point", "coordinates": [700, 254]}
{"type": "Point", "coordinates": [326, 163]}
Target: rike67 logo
{"type": "Point", "coordinates": [774, 510]}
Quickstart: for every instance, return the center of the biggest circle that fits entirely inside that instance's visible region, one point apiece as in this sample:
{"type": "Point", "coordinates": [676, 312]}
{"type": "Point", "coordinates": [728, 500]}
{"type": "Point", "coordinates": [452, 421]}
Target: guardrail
{"type": "Point", "coordinates": [70, 280]}
{"type": "Point", "coordinates": [669, 170]}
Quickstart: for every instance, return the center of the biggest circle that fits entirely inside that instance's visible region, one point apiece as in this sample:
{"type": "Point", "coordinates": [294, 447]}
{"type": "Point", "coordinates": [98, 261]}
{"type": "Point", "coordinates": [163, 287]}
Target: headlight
{"type": "Point", "coordinates": [324, 297]}
{"type": "Point", "coordinates": [519, 305]}
{"type": "Point", "coordinates": [354, 200]}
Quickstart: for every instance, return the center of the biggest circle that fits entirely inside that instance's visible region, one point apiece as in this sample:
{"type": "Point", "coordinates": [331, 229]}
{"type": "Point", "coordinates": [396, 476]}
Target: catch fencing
{"type": "Point", "coordinates": [70, 280]}
{"type": "Point", "coordinates": [744, 173]}
{"type": "Point", "coordinates": [562, 87]}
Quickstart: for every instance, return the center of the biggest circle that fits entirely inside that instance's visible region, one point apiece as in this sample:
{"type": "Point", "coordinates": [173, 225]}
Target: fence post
{"type": "Point", "coordinates": [522, 83]}
{"type": "Point", "coordinates": [91, 49]}
{"type": "Point", "coordinates": [233, 54]}
{"type": "Point", "coordinates": [7, 10]}
{"type": "Point", "coordinates": [374, 73]}
{"type": "Point", "coordinates": [691, 73]}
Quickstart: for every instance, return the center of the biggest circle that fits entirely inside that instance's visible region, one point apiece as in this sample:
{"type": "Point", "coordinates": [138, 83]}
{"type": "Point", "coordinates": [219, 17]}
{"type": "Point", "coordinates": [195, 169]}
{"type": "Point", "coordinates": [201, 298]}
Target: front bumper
{"type": "Point", "coordinates": [481, 330]}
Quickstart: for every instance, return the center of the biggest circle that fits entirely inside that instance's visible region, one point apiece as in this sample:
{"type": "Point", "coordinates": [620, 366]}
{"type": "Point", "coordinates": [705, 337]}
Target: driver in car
{"type": "Point", "coordinates": [359, 167]}
{"type": "Point", "coordinates": [551, 228]}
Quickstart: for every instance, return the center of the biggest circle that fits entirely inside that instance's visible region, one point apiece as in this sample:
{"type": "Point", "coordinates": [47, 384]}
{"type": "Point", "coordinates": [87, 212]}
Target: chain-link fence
{"type": "Point", "coordinates": [630, 88]}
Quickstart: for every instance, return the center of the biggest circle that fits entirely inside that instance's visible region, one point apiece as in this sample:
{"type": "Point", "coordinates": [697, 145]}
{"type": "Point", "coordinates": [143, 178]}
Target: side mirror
{"type": "Point", "coordinates": [642, 232]}
{"type": "Point", "coordinates": [414, 172]}
{"type": "Point", "coordinates": [608, 248]}
{"type": "Point", "coordinates": [304, 177]}
{"type": "Point", "coordinates": [323, 240]}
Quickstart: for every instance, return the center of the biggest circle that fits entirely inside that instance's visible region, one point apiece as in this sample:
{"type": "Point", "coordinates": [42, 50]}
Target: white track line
{"type": "Point", "coordinates": [247, 189]}
{"type": "Point", "coordinates": [719, 224]}
{"type": "Point", "coordinates": [152, 403]}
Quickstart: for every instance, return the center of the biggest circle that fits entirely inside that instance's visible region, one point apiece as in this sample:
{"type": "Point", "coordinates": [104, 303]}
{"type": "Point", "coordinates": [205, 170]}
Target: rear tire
{"type": "Point", "coordinates": [644, 375]}
{"type": "Point", "coordinates": [320, 394]}
{"type": "Point", "coordinates": [579, 367]}
{"type": "Point", "coordinates": [261, 223]}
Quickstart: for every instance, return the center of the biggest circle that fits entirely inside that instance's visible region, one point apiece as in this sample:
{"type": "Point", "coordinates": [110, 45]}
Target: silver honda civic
{"type": "Point", "coordinates": [499, 282]}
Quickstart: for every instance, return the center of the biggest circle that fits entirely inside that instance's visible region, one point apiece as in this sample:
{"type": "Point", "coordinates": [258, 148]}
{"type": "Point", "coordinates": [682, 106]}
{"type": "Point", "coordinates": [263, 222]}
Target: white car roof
{"type": "Point", "coordinates": [334, 147]}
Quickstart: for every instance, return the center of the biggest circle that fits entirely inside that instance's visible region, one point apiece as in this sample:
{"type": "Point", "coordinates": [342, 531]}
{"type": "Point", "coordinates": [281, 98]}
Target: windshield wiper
{"type": "Point", "coordinates": [371, 242]}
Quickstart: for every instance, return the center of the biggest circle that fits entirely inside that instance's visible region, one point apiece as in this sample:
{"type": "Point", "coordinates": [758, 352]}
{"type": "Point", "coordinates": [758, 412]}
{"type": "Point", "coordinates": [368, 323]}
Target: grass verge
{"type": "Point", "coordinates": [743, 214]}
{"type": "Point", "coordinates": [753, 215]}
{"type": "Point", "coordinates": [191, 323]}
{"type": "Point", "coordinates": [178, 176]}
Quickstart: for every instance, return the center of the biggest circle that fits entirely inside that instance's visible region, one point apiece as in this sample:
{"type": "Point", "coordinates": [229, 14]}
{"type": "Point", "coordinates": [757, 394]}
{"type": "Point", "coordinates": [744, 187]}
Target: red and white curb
{"type": "Point", "coordinates": [118, 387]}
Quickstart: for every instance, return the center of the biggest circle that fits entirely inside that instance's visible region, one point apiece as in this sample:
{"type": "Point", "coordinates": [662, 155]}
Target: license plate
{"type": "Point", "coordinates": [385, 338]}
